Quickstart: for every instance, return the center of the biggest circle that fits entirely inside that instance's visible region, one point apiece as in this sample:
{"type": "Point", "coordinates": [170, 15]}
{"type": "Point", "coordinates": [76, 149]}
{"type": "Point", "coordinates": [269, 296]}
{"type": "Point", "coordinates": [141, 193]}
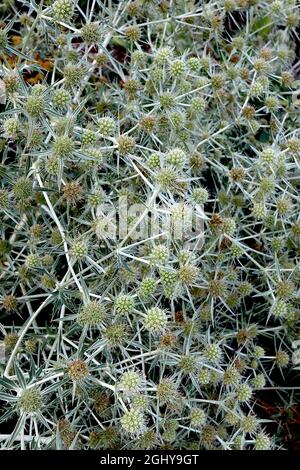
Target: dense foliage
{"type": "Point", "coordinates": [144, 339]}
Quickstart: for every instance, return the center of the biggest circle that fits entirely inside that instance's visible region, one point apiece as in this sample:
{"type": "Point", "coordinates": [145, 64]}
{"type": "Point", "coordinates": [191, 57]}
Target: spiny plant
{"type": "Point", "coordinates": [141, 339]}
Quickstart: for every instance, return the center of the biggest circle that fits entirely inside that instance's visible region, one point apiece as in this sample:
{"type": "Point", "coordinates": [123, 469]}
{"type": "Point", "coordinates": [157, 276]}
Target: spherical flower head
{"type": "Point", "coordinates": [89, 138]}
{"type": "Point", "coordinates": [101, 403]}
{"type": "Point", "coordinates": [130, 382]}
{"type": "Point", "coordinates": [188, 364]}
{"type": "Point", "coordinates": [294, 145]}
{"type": "Point", "coordinates": [148, 440]}
{"type": "Point", "coordinates": [285, 289]}
{"type": "Point", "coordinates": [10, 341]}
{"type": "Point", "coordinates": [148, 125]}
{"type": "Point", "coordinates": [194, 64]}
{"type": "Point", "coordinates": [31, 345]}
{"type": "Point", "coordinates": [287, 78]}
{"type": "Point", "coordinates": [77, 370]}
{"type": "Point", "coordinates": [38, 90]}
{"type": "Point", "coordinates": [124, 304]}
{"type": "Point", "coordinates": [140, 402]}
{"type": "Point", "coordinates": [11, 82]}
{"type": "Point", "coordinates": [61, 98]}
{"type": "Point", "coordinates": [231, 377]}
{"type": "Point", "coordinates": [159, 255]}
{"type": "Point", "coordinates": [257, 88]}
{"type": "Point", "coordinates": [217, 80]}
{"type": "Point", "coordinates": [178, 120]}
{"type": "Point", "coordinates": [154, 161]}
{"type": "Point", "coordinates": [52, 165]}
{"type": "Point", "coordinates": [133, 33]}
{"type": "Point", "coordinates": [156, 75]}
{"type": "Point", "coordinates": [258, 210]}
{"type": "Point", "coordinates": [35, 106]}
{"type": "Point", "coordinates": [155, 320]}
{"type": "Point", "coordinates": [245, 288]}
{"type": "Point", "coordinates": [133, 422]}
{"type": "Point", "coordinates": [166, 391]}
{"type": "Point", "coordinates": [30, 401]}
{"type": "Point", "coordinates": [237, 174]}
{"type": "Point", "coordinates": [95, 439]}
{"type": "Point", "coordinates": [267, 156]}
{"type": "Point", "coordinates": [177, 68]}
{"type": "Point", "coordinates": [217, 288]}
{"type": "Point", "coordinates": [184, 87]}
{"type": "Point", "coordinates": [73, 74]}
{"type": "Point", "coordinates": [258, 381]}
{"type": "Point", "coordinates": [199, 195]}
{"type": "Point", "coordinates": [231, 418]}
{"type": "Point", "coordinates": [22, 189]}
{"type": "Point", "coordinates": [282, 359]}
{"type": "Point", "coordinates": [198, 104]}
{"type": "Point", "coordinates": [36, 231]}
{"type": "Point", "coordinates": [9, 303]}
{"type": "Point", "coordinates": [176, 158]}
{"type": "Point", "coordinates": [167, 100]}
{"type": "Point", "coordinates": [166, 178]}
{"type": "Point", "coordinates": [279, 309]}
{"type": "Point", "coordinates": [33, 261]}
{"type": "Point", "coordinates": [284, 206]}
{"type": "Point", "coordinates": [147, 288]}
{"type": "Point", "coordinates": [106, 126]}
{"type": "Point", "coordinates": [96, 198]}
{"type": "Point", "coordinates": [249, 424]}
{"type": "Point", "coordinates": [262, 442]}
{"type": "Point", "coordinates": [48, 282]}
{"type": "Point", "coordinates": [169, 434]}
{"type": "Point", "coordinates": [131, 87]}
{"type": "Point", "coordinates": [126, 144]}
{"type": "Point", "coordinates": [188, 274]}
{"type": "Point", "coordinates": [96, 156]}
{"type": "Point", "coordinates": [258, 352]}
{"type": "Point", "coordinates": [63, 10]}
{"type": "Point", "coordinates": [138, 57]}
{"type": "Point", "coordinates": [92, 314]}
{"type": "Point", "coordinates": [99, 226]}
{"type": "Point", "coordinates": [236, 251]}
{"type": "Point", "coordinates": [63, 147]}
{"type": "Point", "coordinates": [91, 33]}
{"type": "Point", "coordinates": [267, 185]}
{"type": "Point", "coordinates": [212, 352]}
{"type": "Point", "coordinates": [106, 438]}
{"type": "Point", "coordinates": [277, 7]}
{"type": "Point", "coordinates": [79, 249]}
{"type": "Point", "coordinates": [243, 393]}
{"type": "Point", "coordinates": [272, 103]}
{"type": "Point", "coordinates": [12, 127]}
{"type": "Point", "coordinates": [72, 192]}
{"type": "Point", "coordinates": [197, 418]}
{"type": "Point", "coordinates": [116, 335]}
{"type": "Point", "coordinates": [163, 55]}
{"type": "Point", "coordinates": [229, 226]}
{"type": "Point", "coordinates": [203, 376]}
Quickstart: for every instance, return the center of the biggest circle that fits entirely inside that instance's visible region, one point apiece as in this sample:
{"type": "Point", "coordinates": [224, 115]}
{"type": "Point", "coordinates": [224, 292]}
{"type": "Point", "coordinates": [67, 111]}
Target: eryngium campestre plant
{"type": "Point", "coordinates": [140, 339]}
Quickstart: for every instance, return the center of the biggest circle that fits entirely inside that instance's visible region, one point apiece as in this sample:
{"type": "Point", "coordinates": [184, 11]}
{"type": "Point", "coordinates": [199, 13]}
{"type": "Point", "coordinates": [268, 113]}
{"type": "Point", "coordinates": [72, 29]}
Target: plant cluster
{"type": "Point", "coordinates": [145, 340]}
